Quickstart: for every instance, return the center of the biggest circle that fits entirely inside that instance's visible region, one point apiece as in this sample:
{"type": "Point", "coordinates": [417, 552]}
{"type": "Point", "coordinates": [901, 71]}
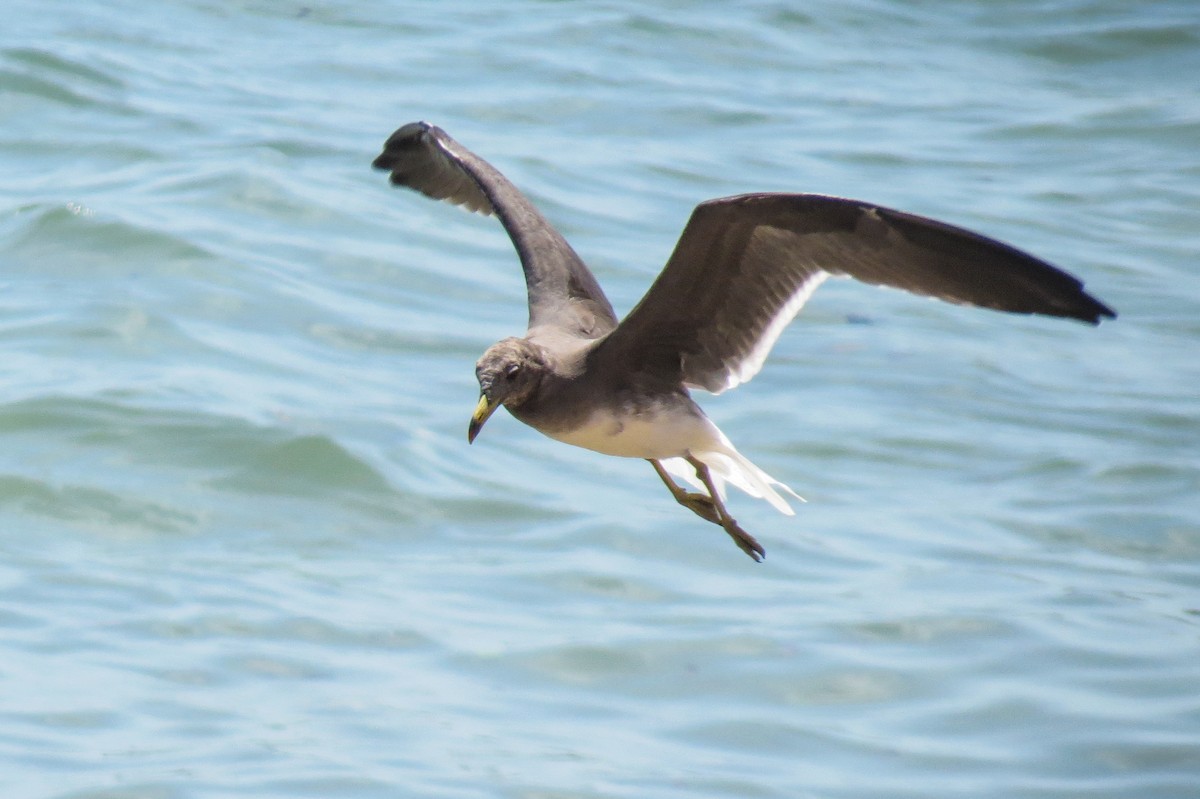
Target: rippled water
{"type": "Point", "coordinates": [246, 551]}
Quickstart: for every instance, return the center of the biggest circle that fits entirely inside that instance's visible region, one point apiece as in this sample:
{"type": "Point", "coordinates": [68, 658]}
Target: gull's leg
{"type": "Point", "coordinates": [698, 504]}
{"type": "Point", "coordinates": [744, 540]}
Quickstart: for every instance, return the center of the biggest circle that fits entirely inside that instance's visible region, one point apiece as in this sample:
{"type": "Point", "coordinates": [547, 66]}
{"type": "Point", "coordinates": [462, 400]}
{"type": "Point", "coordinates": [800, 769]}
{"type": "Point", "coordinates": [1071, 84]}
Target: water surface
{"type": "Point", "coordinates": [246, 551]}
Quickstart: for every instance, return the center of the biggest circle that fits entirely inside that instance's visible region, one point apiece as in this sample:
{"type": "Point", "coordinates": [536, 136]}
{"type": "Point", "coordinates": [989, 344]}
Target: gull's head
{"type": "Point", "coordinates": [508, 373]}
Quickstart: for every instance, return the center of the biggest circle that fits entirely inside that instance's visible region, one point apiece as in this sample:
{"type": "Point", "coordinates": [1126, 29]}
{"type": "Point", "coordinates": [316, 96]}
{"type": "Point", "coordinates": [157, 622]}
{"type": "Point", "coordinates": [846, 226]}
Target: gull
{"type": "Point", "coordinates": [741, 271]}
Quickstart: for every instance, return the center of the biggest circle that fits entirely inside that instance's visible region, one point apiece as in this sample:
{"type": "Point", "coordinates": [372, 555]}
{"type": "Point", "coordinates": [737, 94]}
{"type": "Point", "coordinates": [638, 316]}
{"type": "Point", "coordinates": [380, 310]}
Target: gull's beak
{"type": "Point", "coordinates": [483, 410]}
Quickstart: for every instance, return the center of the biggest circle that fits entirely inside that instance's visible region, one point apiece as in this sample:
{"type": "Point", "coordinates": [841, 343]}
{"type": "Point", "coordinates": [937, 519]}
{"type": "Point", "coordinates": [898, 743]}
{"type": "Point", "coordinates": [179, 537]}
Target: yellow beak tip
{"type": "Point", "coordinates": [482, 411]}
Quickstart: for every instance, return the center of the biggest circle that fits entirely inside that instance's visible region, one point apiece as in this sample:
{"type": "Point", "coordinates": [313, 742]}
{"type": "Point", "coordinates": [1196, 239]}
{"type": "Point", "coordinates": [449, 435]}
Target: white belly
{"type": "Point", "coordinates": [668, 436]}
{"type": "Point", "coordinates": [658, 436]}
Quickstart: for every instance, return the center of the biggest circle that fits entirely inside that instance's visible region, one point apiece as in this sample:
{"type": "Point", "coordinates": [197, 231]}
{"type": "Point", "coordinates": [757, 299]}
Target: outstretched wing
{"type": "Point", "coordinates": [745, 265]}
{"type": "Point", "coordinates": [563, 293]}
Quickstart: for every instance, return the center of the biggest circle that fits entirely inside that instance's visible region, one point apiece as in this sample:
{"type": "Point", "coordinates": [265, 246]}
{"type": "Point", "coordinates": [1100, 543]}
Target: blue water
{"type": "Point", "coordinates": [245, 549]}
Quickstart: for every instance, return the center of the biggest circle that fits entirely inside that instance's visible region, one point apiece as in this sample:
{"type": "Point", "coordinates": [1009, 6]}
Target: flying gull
{"type": "Point", "coordinates": [743, 268]}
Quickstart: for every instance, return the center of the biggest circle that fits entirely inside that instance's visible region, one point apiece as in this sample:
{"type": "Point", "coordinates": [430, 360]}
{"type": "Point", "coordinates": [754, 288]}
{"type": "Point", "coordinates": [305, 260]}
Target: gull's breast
{"type": "Point", "coordinates": [664, 431]}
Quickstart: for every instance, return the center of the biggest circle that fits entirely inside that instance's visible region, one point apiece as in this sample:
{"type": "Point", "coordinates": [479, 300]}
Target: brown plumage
{"type": "Point", "coordinates": [743, 268]}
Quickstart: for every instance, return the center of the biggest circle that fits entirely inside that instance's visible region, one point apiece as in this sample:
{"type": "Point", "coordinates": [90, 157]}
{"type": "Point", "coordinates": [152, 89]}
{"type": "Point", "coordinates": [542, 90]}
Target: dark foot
{"type": "Point", "coordinates": [701, 505]}
{"type": "Point", "coordinates": [710, 509]}
{"type": "Point", "coordinates": [744, 540]}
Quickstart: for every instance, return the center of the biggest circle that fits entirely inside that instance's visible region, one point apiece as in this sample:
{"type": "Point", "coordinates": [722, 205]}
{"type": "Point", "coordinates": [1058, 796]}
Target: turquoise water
{"type": "Point", "coordinates": [245, 549]}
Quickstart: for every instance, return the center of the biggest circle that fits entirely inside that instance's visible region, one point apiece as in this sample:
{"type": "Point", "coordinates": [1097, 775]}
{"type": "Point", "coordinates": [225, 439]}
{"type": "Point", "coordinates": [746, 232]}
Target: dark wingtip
{"type": "Point", "coordinates": [1094, 311]}
{"type": "Point", "coordinates": [405, 136]}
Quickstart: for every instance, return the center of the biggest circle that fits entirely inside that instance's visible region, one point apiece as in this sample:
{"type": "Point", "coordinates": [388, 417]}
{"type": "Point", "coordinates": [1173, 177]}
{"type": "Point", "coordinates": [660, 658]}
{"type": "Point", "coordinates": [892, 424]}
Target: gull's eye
{"type": "Point", "coordinates": [512, 370]}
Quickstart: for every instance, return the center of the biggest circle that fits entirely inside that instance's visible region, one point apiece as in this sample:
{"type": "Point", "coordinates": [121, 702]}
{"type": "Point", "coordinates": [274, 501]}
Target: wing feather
{"type": "Point", "coordinates": [563, 293]}
{"type": "Point", "coordinates": [745, 265]}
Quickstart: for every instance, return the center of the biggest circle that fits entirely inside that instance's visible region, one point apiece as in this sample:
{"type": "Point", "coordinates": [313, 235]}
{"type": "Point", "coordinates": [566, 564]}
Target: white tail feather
{"type": "Point", "coordinates": [727, 465]}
